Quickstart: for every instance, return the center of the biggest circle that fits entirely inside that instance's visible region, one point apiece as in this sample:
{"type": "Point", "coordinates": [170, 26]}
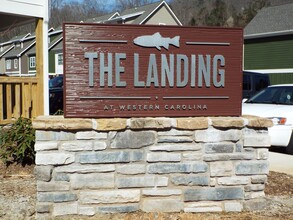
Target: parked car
{"type": "Point", "coordinates": [253, 83]}
{"type": "Point", "coordinates": [275, 102]}
{"type": "Point", "coordinates": [56, 94]}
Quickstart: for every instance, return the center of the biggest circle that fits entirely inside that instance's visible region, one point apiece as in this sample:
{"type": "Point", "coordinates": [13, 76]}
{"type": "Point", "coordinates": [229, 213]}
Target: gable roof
{"type": "Point", "coordinates": [139, 15]}
{"type": "Point", "coordinates": [18, 51]}
{"type": "Point", "coordinates": [103, 18]}
{"type": "Point", "coordinates": [146, 11]}
{"type": "Point", "coordinates": [271, 21]}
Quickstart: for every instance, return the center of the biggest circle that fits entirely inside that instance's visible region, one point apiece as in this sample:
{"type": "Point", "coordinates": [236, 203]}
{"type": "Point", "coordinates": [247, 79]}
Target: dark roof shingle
{"type": "Point", "coordinates": [270, 20]}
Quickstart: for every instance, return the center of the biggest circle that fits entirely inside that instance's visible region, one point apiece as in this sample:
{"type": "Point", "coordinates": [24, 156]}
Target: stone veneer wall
{"type": "Point", "coordinates": [203, 164]}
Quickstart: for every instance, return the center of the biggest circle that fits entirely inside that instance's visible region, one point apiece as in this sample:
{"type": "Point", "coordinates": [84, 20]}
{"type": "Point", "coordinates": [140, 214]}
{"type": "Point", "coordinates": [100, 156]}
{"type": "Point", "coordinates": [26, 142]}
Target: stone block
{"type": "Point", "coordinates": [258, 122]}
{"type": "Point", "coordinates": [203, 207]}
{"type": "Point", "coordinates": [222, 147]}
{"type": "Point", "coordinates": [252, 168]}
{"type": "Point", "coordinates": [118, 208]}
{"type": "Point", "coordinates": [192, 123]}
{"type": "Point", "coordinates": [133, 139]}
{"type": "Point", "coordinates": [43, 173]}
{"type": "Point", "coordinates": [163, 157]}
{"type": "Point", "coordinates": [131, 169]}
{"type": "Point", "coordinates": [104, 157]}
{"type": "Point", "coordinates": [214, 135]}
{"type": "Point", "coordinates": [54, 136]}
{"type": "Point", "coordinates": [109, 196]}
{"type": "Point", "coordinates": [254, 187]}
{"type": "Point", "coordinates": [190, 180]}
{"type": "Point", "coordinates": [56, 197]}
{"type": "Point", "coordinates": [110, 124]}
{"type": "Point", "coordinates": [77, 145]}
{"type": "Point", "coordinates": [65, 209]}
{"type": "Point", "coordinates": [262, 154]}
{"type": "Point", "coordinates": [85, 168]}
{"type": "Point", "coordinates": [61, 177]}
{"type": "Point", "coordinates": [175, 139]}
{"type": "Point", "coordinates": [233, 207]}
{"type": "Point", "coordinates": [61, 123]}
{"type": "Point", "coordinates": [259, 179]}
{"type": "Point", "coordinates": [150, 123]}
{"type": "Point", "coordinates": [228, 156]}
{"type": "Point", "coordinates": [92, 181]}
{"type": "Point", "coordinates": [86, 210]}
{"type": "Point", "coordinates": [174, 132]}
{"type": "Point", "coordinates": [141, 181]}
{"type": "Point", "coordinates": [257, 140]}
{"type": "Point", "coordinates": [254, 195]}
{"type": "Point", "coordinates": [99, 145]}
{"type": "Point", "coordinates": [162, 168]}
{"type": "Point", "coordinates": [46, 145]}
{"type": "Point", "coordinates": [221, 168]}
{"type": "Point", "coordinates": [234, 180]}
{"type": "Point", "coordinates": [54, 158]}
{"type": "Point", "coordinates": [91, 135]}
{"type": "Point", "coordinates": [213, 194]}
{"type": "Point", "coordinates": [137, 155]}
{"type": "Point", "coordinates": [162, 205]}
{"type": "Point", "coordinates": [161, 192]}
{"type": "Point", "coordinates": [190, 156]}
{"type": "Point", "coordinates": [52, 186]}
{"type": "Point", "coordinates": [176, 147]}
{"type": "Point", "coordinates": [227, 122]}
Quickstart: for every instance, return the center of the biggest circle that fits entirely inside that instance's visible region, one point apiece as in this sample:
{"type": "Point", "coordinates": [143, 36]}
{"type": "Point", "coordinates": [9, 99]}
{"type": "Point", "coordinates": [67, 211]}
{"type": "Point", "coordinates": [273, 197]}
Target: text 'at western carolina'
{"type": "Point", "coordinates": [177, 70]}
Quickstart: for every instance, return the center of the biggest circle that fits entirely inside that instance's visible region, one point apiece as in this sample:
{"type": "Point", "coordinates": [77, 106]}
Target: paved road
{"type": "Point", "coordinates": [282, 163]}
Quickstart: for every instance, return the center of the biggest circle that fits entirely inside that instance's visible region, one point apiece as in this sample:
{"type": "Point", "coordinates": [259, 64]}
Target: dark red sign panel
{"type": "Point", "coordinates": [131, 70]}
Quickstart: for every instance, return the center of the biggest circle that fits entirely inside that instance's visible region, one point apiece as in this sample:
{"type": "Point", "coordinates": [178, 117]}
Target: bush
{"type": "Point", "coordinates": [17, 142]}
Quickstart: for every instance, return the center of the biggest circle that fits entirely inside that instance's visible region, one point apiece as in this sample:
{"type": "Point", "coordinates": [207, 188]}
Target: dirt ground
{"type": "Point", "coordinates": [18, 197]}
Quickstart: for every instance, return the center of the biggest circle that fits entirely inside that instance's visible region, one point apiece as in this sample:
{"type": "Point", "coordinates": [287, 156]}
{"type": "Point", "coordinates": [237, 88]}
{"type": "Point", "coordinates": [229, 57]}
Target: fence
{"type": "Point", "coordinates": [19, 96]}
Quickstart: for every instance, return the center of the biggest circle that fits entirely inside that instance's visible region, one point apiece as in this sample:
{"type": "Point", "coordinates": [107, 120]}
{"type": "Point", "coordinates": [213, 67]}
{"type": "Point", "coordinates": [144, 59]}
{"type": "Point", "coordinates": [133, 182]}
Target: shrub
{"type": "Point", "coordinates": [17, 142]}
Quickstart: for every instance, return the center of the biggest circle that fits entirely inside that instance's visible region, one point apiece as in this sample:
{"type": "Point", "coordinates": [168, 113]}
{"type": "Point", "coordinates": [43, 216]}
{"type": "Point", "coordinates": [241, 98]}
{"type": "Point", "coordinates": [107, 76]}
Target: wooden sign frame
{"type": "Point", "coordinates": [141, 71]}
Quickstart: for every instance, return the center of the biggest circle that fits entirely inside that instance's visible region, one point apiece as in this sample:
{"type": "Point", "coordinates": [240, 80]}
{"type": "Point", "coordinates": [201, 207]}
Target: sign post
{"type": "Point", "coordinates": [140, 71]}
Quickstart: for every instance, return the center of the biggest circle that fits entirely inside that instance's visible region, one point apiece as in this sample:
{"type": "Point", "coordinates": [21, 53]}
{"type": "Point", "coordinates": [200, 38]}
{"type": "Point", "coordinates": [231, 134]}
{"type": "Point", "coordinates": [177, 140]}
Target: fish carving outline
{"type": "Point", "coordinates": [156, 40]}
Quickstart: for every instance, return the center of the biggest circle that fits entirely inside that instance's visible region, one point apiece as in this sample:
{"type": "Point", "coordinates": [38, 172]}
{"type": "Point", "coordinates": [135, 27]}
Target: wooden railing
{"type": "Point", "coordinates": [19, 97]}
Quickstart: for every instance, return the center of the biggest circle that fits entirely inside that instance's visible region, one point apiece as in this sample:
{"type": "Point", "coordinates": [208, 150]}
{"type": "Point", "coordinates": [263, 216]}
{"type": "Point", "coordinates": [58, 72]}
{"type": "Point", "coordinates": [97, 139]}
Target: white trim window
{"type": "Point", "coordinates": [15, 63]}
{"type": "Point", "coordinates": [32, 62]}
{"type": "Point", "coordinates": [8, 64]}
{"type": "Point", "coordinates": [60, 59]}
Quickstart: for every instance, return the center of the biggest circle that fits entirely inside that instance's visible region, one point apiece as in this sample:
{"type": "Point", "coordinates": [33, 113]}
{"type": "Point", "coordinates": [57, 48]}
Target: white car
{"type": "Point", "coordinates": [275, 102]}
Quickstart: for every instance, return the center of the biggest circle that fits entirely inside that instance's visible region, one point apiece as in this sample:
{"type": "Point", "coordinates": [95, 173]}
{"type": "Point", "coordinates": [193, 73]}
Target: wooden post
{"type": "Point", "coordinates": [40, 66]}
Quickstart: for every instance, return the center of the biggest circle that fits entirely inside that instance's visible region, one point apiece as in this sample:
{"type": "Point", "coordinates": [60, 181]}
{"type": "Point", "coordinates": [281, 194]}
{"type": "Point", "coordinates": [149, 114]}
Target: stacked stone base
{"type": "Point", "coordinates": [94, 166]}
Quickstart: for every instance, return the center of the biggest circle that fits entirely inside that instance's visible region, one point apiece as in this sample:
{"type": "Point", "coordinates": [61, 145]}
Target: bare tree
{"type": "Point", "coordinates": [125, 4]}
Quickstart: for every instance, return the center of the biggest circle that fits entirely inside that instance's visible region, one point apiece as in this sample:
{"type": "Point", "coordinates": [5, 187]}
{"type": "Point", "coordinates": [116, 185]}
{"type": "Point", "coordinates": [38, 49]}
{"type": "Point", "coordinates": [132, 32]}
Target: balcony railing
{"type": "Point", "coordinates": [19, 97]}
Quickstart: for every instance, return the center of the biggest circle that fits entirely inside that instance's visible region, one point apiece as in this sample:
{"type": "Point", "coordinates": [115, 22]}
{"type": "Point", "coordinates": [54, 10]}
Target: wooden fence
{"type": "Point", "coordinates": [19, 97]}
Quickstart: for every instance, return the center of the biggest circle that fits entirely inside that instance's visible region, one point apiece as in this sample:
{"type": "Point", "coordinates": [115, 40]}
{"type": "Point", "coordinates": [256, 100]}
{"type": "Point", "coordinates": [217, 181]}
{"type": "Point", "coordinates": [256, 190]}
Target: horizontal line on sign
{"type": "Point", "coordinates": [209, 43]}
{"type": "Point", "coordinates": [196, 97]}
{"type": "Point", "coordinates": [103, 41]}
{"type": "Point", "coordinates": [115, 97]}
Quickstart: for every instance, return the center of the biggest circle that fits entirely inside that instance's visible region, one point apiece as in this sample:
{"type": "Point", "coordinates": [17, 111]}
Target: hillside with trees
{"type": "Point", "coordinates": [227, 13]}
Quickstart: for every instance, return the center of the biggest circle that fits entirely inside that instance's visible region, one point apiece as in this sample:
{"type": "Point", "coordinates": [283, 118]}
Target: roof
{"type": "Point", "coordinates": [271, 21]}
{"type": "Point", "coordinates": [102, 18]}
{"type": "Point", "coordinates": [18, 51]}
{"type": "Point", "coordinates": [140, 15]}
{"type": "Point", "coordinates": [146, 11]}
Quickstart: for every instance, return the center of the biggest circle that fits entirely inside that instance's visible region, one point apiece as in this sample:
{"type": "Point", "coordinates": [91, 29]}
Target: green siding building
{"type": "Point", "coordinates": [268, 44]}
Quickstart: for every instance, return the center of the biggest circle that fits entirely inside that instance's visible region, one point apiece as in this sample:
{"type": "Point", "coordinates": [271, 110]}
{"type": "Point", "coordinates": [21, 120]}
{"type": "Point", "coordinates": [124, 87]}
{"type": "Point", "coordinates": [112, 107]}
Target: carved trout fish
{"type": "Point", "coordinates": [156, 40]}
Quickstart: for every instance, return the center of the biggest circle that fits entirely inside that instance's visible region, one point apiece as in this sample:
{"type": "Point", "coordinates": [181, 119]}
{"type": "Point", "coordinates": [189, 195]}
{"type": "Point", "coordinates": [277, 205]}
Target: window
{"type": "Point", "coordinates": [8, 64]}
{"type": "Point", "coordinates": [15, 63]}
{"type": "Point", "coordinates": [32, 62]}
{"type": "Point", "coordinates": [60, 59]}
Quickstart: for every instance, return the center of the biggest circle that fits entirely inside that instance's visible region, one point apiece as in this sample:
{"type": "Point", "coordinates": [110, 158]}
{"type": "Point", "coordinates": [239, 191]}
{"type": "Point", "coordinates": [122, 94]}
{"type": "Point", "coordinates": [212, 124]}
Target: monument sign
{"type": "Point", "coordinates": [139, 71]}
